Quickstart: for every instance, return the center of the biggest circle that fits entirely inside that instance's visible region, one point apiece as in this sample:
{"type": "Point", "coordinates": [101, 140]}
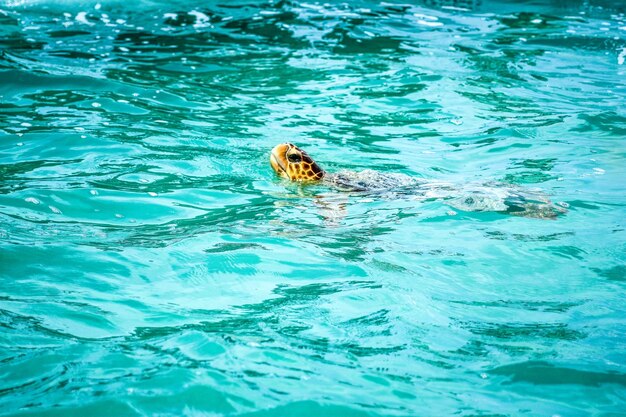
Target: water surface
{"type": "Point", "coordinates": [152, 264]}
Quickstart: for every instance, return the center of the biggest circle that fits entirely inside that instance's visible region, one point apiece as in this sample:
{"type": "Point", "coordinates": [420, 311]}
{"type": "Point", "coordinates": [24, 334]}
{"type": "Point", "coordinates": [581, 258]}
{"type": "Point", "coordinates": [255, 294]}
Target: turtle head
{"type": "Point", "coordinates": [294, 164]}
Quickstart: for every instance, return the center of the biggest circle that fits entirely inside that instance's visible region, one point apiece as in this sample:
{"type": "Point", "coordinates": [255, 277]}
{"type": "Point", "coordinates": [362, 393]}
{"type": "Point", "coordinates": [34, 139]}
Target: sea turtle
{"type": "Point", "coordinates": [294, 164]}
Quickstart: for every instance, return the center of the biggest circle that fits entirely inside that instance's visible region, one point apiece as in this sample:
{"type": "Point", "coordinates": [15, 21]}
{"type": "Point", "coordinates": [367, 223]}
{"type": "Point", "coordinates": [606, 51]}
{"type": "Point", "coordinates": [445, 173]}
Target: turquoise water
{"type": "Point", "coordinates": [152, 264]}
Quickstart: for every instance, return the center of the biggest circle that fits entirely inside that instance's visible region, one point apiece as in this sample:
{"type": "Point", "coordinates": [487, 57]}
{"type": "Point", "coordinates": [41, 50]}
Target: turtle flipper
{"type": "Point", "coordinates": [532, 205]}
{"type": "Point", "coordinates": [515, 202]}
{"type": "Point", "coordinates": [547, 211]}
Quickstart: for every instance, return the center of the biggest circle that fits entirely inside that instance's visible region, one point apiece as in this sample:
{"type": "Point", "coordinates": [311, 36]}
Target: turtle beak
{"type": "Point", "coordinates": [277, 160]}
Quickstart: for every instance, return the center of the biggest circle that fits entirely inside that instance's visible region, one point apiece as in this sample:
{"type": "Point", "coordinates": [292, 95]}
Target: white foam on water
{"type": "Point", "coordinates": [32, 200]}
{"type": "Point", "coordinates": [81, 17]}
{"type": "Point", "coordinates": [430, 24]}
{"type": "Point", "coordinates": [621, 57]}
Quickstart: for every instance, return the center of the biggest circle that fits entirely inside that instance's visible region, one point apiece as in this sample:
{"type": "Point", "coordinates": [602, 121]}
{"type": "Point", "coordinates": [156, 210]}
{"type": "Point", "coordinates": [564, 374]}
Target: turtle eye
{"type": "Point", "coordinates": [295, 158]}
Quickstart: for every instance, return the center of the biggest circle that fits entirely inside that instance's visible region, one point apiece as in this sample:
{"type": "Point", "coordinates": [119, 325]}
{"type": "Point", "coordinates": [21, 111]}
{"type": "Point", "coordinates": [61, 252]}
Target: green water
{"type": "Point", "coordinates": [152, 264]}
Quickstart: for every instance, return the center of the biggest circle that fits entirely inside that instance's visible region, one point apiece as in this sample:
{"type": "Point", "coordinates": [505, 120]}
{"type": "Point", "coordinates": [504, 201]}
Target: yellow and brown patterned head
{"type": "Point", "coordinates": [293, 163]}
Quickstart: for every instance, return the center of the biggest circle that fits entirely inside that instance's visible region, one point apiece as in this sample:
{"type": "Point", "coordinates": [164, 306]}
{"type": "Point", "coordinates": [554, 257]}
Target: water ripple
{"type": "Point", "coordinates": [152, 263]}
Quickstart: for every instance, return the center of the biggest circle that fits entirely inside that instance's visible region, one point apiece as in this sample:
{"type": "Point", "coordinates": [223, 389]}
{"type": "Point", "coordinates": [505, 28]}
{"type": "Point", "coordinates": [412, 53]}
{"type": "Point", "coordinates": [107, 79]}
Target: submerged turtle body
{"type": "Point", "coordinates": [294, 164]}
